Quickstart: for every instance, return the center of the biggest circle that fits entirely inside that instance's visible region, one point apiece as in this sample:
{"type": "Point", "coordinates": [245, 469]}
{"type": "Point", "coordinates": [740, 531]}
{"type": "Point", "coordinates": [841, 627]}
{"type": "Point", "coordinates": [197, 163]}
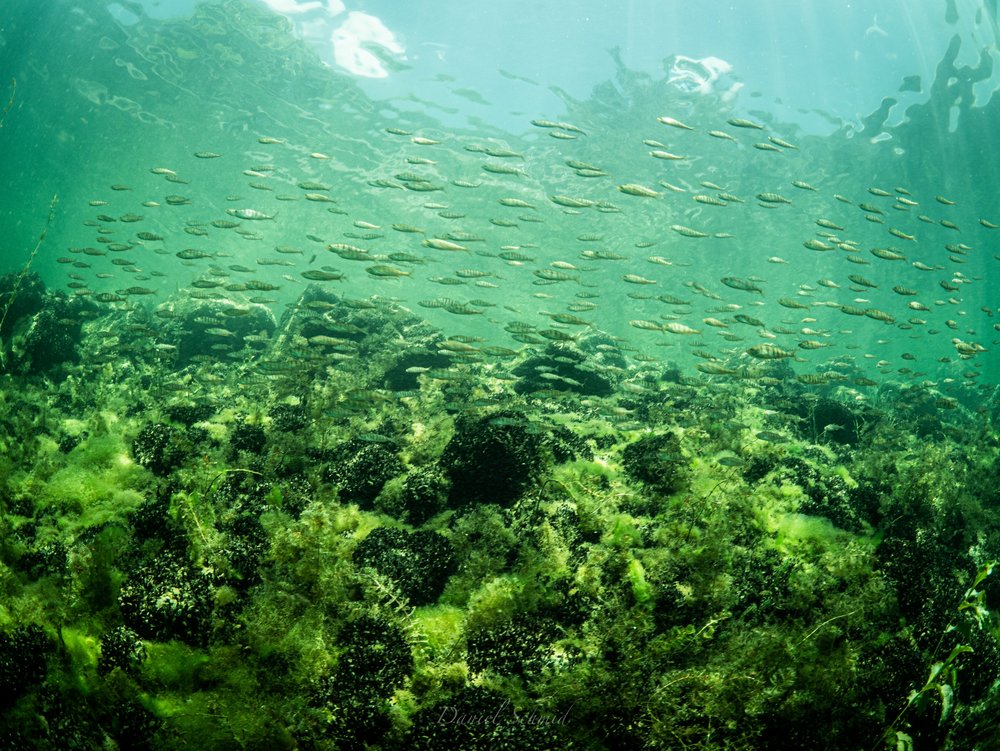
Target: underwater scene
{"type": "Point", "coordinates": [604, 376]}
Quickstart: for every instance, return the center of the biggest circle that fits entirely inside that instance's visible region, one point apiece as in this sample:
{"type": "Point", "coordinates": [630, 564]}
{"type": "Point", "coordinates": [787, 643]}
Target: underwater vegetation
{"type": "Point", "coordinates": [347, 554]}
{"type": "Point", "coordinates": [692, 444]}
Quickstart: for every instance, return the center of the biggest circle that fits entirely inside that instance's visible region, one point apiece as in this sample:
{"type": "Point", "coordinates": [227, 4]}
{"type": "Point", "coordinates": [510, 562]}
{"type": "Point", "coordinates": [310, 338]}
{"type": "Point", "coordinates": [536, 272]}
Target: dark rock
{"type": "Point", "coordinates": [657, 462]}
{"type": "Point", "coordinates": [361, 469]}
{"type": "Point", "coordinates": [121, 648]}
{"type": "Point", "coordinates": [419, 563]}
{"type": "Point", "coordinates": [159, 448]}
{"type": "Point", "coordinates": [168, 599]}
{"type": "Point", "coordinates": [23, 657]}
{"type": "Point", "coordinates": [491, 459]}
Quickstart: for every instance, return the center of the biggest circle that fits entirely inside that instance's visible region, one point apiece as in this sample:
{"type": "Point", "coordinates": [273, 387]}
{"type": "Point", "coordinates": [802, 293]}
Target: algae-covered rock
{"type": "Point", "coordinates": [657, 462]}
{"type": "Point", "coordinates": [360, 468]}
{"type": "Point", "coordinates": [23, 658]}
{"type": "Point", "coordinates": [491, 459]}
{"type": "Point", "coordinates": [159, 448]}
{"type": "Point", "coordinates": [121, 648]}
{"type": "Point", "coordinates": [418, 563]}
{"type": "Point", "coordinates": [168, 599]}
{"type": "Point", "coordinates": [41, 329]}
{"type": "Point", "coordinates": [376, 659]}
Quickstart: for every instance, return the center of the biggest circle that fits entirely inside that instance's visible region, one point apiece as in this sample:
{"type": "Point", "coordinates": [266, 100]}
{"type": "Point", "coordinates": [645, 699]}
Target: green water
{"type": "Point", "coordinates": [120, 100]}
{"type": "Point", "coordinates": [424, 376]}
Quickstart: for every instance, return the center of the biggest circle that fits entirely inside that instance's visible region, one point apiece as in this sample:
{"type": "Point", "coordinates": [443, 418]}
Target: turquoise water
{"type": "Point", "coordinates": [895, 103]}
{"type": "Point", "coordinates": [391, 375]}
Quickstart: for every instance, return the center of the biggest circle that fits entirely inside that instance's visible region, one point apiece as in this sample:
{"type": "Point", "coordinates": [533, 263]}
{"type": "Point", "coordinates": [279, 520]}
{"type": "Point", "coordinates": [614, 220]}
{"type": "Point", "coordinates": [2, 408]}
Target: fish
{"type": "Point", "coordinates": [441, 244]}
{"type": "Point", "coordinates": [773, 198]}
{"type": "Point", "coordinates": [642, 191]}
{"type": "Point", "coordinates": [741, 284]}
{"type": "Point", "coordinates": [189, 254]}
{"type": "Point", "coordinates": [769, 352]}
{"type": "Point", "coordinates": [887, 254]}
{"type": "Point", "coordinates": [251, 214]}
{"type": "Point", "coordinates": [316, 275]}
{"type": "Point", "coordinates": [384, 270]}
{"type": "Point", "coordinates": [739, 122]}
{"type": "Point", "coordinates": [782, 143]}
{"type": "Point", "coordinates": [710, 200]}
{"type": "Point", "coordinates": [771, 437]}
{"type": "Point", "coordinates": [687, 231]}
{"type": "Point", "coordinates": [673, 123]}
{"type": "Point", "coordinates": [814, 244]}
{"type": "Point", "coordinates": [674, 327]}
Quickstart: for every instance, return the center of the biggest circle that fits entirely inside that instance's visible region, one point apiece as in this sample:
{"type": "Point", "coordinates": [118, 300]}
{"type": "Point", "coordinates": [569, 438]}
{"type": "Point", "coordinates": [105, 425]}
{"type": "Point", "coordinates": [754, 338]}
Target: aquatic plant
{"type": "Point", "coordinates": [361, 468]}
{"type": "Point", "coordinates": [121, 648]}
{"type": "Point", "coordinates": [14, 287]}
{"type": "Point", "coordinates": [159, 448]}
{"type": "Point", "coordinates": [419, 563]}
{"type": "Point", "coordinates": [491, 459]}
{"type": "Point", "coordinates": [971, 616]}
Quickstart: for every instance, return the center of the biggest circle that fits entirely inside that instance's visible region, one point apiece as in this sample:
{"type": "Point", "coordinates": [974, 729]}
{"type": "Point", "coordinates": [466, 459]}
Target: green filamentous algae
{"type": "Point", "coordinates": [498, 376]}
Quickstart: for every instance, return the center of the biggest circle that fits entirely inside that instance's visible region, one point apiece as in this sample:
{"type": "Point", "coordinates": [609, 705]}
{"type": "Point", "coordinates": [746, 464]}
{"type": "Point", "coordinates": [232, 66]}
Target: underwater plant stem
{"type": "Point", "coordinates": [24, 272]}
{"type": "Point", "coordinates": [828, 620]}
{"type": "Point", "coordinates": [227, 472]}
{"type": "Point", "coordinates": [10, 102]}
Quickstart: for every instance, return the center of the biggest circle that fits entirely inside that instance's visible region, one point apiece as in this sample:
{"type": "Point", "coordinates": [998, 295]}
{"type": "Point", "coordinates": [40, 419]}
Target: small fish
{"type": "Point", "coordinates": [646, 325]}
{"type": "Point", "coordinates": [190, 254]}
{"type": "Point", "coordinates": [887, 254]}
{"type": "Point", "coordinates": [315, 275]}
{"type": "Point", "coordinates": [642, 191]}
{"type": "Point", "coordinates": [659, 154]}
{"type": "Point", "coordinates": [772, 198]}
{"type": "Point", "coordinates": [768, 352]}
{"type": "Point", "coordinates": [879, 315]}
{"type": "Point", "coordinates": [858, 279]}
{"type": "Point", "coordinates": [673, 123]}
{"type": "Point", "coordinates": [673, 327]}
{"type": "Point", "coordinates": [736, 282]}
{"type": "Point", "coordinates": [687, 231]}
{"type": "Point", "coordinates": [501, 169]}
{"type": "Point", "coordinates": [710, 200]}
{"type": "Point", "coordinates": [817, 245]}
{"type": "Point", "coordinates": [771, 437]}
{"type": "Point", "coordinates": [439, 244]}
{"type": "Point", "coordinates": [571, 202]}
{"type": "Point", "coordinates": [249, 214]}
{"type": "Point", "coordinates": [385, 270]}
{"type": "Point", "coordinates": [739, 122]}
{"type": "Point", "coordinates": [515, 202]}
{"type": "Point", "coordinates": [783, 144]}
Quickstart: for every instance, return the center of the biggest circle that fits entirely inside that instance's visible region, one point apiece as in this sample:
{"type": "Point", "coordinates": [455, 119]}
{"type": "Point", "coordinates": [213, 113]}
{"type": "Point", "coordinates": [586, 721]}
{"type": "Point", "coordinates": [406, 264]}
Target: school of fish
{"type": "Point", "coordinates": [667, 262]}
